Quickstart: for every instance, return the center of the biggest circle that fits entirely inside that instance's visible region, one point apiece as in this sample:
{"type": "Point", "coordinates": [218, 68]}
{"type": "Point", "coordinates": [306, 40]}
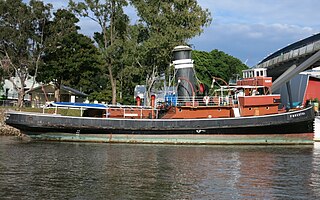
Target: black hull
{"type": "Point", "coordinates": [286, 123]}
{"type": "Point", "coordinates": [298, 127]}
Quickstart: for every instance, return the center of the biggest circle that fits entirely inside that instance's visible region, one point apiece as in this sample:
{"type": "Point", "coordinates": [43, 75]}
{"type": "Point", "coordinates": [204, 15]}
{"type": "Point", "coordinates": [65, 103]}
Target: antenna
{"type": "Point", "coordinates": [245, 62]}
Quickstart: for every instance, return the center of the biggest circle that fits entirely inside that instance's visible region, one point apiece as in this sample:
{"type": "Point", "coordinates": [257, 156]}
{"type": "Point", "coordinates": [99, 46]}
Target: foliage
{"type": "Point", "coordinates": [70, 58]}
{"type": "Point", "coordinates": [21, 40]}
{"type": "Point", "coordinates": [131, 76]}
{"type": "Point", "coordinates": [162, 26]}
{"type": "Point", "coordinates": [101, 96]}
{"type": "Point", "coordinates": [124, 55]}
{"type": "Point", "coordinates": [216, 64]}
{"type": "Point", "coordinates": [113, 22]}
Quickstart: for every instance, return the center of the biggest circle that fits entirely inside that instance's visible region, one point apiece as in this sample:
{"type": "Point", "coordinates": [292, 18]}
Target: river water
{"type": "Point", "coordinates": [50, 170]}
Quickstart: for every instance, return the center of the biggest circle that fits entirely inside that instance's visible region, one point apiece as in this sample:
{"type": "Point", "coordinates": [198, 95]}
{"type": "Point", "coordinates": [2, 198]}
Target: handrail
{"type": "Point", "coordinates": [127, 111]}
{"type": "Point", "coordinates": [227, 100]}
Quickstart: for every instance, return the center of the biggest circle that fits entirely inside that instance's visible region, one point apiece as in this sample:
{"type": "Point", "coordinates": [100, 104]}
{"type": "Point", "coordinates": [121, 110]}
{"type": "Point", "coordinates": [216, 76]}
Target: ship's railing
{"type": "Point", "coordinates": [127, 111]}
{"type": "Point", "coordinates": [112, 111]}
{"type": "Point", "coordinates": [227, 100]}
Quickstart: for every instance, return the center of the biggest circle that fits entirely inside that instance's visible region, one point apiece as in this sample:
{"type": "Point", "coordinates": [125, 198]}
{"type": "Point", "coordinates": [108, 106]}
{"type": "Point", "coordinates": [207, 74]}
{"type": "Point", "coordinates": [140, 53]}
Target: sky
{"type": "Point", "coordinates": [249, 30]}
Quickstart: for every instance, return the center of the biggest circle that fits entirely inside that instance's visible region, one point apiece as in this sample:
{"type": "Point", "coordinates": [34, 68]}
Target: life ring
{"type": "Point", "coordinates": [206, 99]}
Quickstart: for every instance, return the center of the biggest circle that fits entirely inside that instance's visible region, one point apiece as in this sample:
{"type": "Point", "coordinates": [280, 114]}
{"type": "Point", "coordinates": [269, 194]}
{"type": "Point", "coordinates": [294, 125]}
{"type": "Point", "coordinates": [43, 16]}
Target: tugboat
{"type": "Point", "coordinates": [244, 113]}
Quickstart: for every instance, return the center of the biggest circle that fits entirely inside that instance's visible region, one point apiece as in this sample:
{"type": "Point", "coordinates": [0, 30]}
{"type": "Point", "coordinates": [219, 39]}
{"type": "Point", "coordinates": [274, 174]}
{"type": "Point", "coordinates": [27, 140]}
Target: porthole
{"type": "Point", "coordinates": [180, 110]}
{"type": "Point", "coordinates": [250, 108]}
{"type": "Point", "coordinates": [267, 108]}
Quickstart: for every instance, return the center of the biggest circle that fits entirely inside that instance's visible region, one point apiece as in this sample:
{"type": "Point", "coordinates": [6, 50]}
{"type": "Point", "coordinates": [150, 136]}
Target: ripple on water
{"type": "Point", "coordinates": [41, 170]}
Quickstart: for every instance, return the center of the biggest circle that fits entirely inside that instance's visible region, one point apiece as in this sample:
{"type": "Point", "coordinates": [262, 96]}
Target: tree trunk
{"type": "Point", "coordinates": [57, 92]}
{"type": "Point", "coordinates": [57, 95]}
{"type": "Point", "coordinates": [20, 89]}
{"type": "Point", "coordinates": [113, 85]}
{"type": "Point", "coordinates": [21, 95]}
{"type": "Point", "coordinates": [113, 81]}
{"type": "Point", "coordinates": [114, 91]}
{"type": "Point", "coordinates": [149, 88]}
{"type": "Point", "coordinates": [150, 82]}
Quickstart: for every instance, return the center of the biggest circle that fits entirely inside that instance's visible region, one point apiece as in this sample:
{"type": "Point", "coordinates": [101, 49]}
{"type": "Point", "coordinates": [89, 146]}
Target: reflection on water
{"type": "Point", "coordinates": [41, 170]}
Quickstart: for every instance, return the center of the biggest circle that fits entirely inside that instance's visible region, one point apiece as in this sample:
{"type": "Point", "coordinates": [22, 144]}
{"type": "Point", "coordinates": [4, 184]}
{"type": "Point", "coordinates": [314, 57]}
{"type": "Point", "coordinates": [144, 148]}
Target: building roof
{"type": "Point", "coordinates": [74, 91]}
{"type": "Point", "coordinates": [49, 88]}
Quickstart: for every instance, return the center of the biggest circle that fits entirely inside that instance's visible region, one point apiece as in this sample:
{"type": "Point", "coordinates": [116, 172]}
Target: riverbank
{"type": "Point", "coordinates": [6, 130]}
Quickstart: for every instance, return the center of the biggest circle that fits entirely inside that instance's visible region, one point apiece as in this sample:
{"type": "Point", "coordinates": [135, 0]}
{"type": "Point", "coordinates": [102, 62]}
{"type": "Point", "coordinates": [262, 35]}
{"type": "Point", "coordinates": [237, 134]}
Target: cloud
{"type": "Point", "coordinates": [265, 11]}
{"type": "Point", "coordinates": [251, 30]}
{"type": "Point", "coordinates": [250, 42]}
{"type": "Point", "coordinates": [246, 29]}
{"type": "Point", "coordinates": [88, 26]}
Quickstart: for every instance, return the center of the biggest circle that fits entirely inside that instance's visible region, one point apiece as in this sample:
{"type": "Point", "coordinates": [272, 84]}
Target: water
{"type": "Point", "coordinates": [44, 170]}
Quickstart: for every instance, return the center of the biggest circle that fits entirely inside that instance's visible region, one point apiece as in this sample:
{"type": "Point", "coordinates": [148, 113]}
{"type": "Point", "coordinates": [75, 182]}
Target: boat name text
{"type": "Point", "coordinates": [297, 115]}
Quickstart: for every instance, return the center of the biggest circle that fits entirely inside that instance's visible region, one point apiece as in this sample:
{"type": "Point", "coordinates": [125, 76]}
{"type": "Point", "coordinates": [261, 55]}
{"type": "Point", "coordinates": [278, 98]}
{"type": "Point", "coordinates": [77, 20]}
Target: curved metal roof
{"type": "Point", "coordinates": [296, 45]}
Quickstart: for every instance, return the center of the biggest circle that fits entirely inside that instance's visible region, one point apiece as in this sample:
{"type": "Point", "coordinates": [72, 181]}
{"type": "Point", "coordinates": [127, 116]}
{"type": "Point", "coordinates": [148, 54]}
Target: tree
{"type": "Point", "coordinates": [70, 58]}
{"type": "Point", "coordinates": [164, 25]}
{"type": "Point", "coordinates": [216, 64]}
{"type": "Point", "coordinates": [130, 74]}
{"type": "Point", "coordinates": [84, 64]}
{"type": "Point", "coordinates": [21, 40]}
{"type": "Point", "coordinates": [113, 23]}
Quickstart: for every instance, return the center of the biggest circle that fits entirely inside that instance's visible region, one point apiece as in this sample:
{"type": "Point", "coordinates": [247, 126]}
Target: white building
{"type": "Point", "coordinates": [11, 93]}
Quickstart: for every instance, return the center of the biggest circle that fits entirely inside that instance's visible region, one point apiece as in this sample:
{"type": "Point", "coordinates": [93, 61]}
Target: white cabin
{"type": "Point", "coordinates": [254, 72]}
